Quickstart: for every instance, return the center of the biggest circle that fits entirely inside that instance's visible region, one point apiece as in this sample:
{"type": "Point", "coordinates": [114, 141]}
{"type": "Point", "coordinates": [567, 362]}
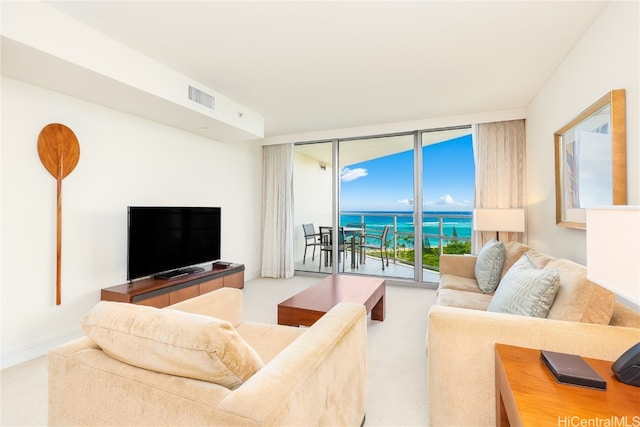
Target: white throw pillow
{"type": "Point", "coordinates": [526, 290]}
{"type": "Point", "coordinates": [489, 266]}
{"type": "Point", "coordinates": [173, 342]}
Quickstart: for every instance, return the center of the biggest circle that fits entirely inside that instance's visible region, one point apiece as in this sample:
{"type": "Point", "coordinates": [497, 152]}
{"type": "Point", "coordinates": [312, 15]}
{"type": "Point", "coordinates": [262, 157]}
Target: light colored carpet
{"type": "Point", "coordinates": [397, 378]}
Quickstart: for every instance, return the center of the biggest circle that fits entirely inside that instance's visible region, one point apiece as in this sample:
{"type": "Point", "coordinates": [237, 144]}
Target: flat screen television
{"type": "Point", "coordinates": [167, 242]}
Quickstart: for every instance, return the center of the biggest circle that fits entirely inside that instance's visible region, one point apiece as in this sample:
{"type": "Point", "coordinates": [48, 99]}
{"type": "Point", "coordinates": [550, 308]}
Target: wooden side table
{"type": "Point", "coordinates": [528, 395]}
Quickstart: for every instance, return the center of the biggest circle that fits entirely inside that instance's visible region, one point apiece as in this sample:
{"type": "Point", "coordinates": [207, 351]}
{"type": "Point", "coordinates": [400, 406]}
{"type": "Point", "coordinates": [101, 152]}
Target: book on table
{"type": "Point", "coordinates": [572, 369]}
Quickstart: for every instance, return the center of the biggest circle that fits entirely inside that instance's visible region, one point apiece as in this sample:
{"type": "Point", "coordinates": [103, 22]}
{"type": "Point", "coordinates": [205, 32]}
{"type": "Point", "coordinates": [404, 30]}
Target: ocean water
{"type": "Point", "coordinates": [375, 221]}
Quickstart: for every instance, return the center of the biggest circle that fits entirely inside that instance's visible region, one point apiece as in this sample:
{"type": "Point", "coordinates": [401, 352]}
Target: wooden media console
{"type": "Point", "coordinates": [163, 292]}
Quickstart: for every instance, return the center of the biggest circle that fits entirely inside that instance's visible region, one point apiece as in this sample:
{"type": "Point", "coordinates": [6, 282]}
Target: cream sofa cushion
{"type": "Point", "coordinates": [525, 290]}
{"type": "Point", "coordinates": [463, 299]}
{"type": "Point", "coordinates": [513, 251]}
{"type": "Point", "coordinates": [538, 259]}
{"type": "Point", "coordinates": [268, 340]}
{"type": "Point", "coordinates": [579, 299]}
{"type": "Point", "coordinates": [449, 281]}
{"type": "Point", "coordinates": [172, 342]}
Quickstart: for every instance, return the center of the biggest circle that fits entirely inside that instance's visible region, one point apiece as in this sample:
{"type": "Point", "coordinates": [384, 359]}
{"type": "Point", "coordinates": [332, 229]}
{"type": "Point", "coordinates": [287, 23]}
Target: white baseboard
{"type": "Point", "coordinates": [33, 351]}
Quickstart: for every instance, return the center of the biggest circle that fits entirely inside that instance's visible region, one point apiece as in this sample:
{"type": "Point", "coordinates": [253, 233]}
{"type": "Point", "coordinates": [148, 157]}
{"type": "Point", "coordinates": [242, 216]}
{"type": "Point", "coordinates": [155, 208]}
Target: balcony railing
{"type": "Point", "coordinates": [401, 239]}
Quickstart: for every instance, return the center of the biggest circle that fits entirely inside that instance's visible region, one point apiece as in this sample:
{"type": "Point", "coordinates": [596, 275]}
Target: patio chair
{"type": "Point", "coordinates": [311, 238]}
{"type": "Point", "coordinates": [354, 232]}
{"type": "Point", "coordinates": [327, 247]}
{"type": "Point", "coordinates": [377, 242]}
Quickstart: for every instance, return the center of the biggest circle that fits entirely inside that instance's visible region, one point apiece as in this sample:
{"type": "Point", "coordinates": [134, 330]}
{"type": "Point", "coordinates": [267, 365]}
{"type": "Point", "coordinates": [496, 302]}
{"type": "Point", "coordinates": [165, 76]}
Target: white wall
{"type": "Point", "coordinates": [124, 160]}
{"type": "Point", "coordinates": [605, 58]}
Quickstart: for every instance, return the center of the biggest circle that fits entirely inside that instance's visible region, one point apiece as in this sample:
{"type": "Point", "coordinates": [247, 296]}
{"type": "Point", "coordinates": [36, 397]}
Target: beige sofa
{"type": "Point", "coordinates": [303, 376]}
{"type": "Point", "coordinates": [584, 319]}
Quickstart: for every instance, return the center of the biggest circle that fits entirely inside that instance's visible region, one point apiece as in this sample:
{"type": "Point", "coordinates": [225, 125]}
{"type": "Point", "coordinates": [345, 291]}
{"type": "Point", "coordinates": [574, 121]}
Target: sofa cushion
{"type": "Point", "coordinates": [172, 342]}
{"type": "Point", "coordinates": [463, 299]}
{"type": "Point", "coordinates": [489, 265]}
{"type": "Point", "coordinates": [525, 290]}
{"type": "Point", "coordinates": [538, 259]}
{"type": "Point", "coordinates": [450, 281]}
{"type": "Point", "coordinates": [625, 316]}
{"type": "Point", "coordinates": [579, 299]}
{"type": "Point", "coordinates": [513, 251]}
{"type": "Point", "coordinates": [268, 340]}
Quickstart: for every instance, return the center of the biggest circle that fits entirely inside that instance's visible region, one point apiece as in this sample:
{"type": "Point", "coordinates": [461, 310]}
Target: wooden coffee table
{"type": "Point", "coordinates": [306, 307]}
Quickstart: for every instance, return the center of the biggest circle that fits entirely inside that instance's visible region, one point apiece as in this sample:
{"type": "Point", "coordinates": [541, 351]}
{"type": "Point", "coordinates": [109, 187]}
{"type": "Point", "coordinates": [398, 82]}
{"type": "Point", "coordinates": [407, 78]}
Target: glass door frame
{"type": "Point", "coordinates": [418, 208]}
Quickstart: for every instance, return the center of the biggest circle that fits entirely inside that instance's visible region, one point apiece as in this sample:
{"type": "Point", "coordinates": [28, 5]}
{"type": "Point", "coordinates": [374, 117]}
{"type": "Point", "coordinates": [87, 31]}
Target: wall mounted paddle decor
{"type": "Point", "coordinates": [59, 152]}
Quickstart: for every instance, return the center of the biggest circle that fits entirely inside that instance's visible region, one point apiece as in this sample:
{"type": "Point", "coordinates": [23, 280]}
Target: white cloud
{"type": "Point", "coordinates": [406, 202]}
{"type": "Point", "coordinates": [447, 200]}
{"type": "Point", "coordinates": [347, 174]}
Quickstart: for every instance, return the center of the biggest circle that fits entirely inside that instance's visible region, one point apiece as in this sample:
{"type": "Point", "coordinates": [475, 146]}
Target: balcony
{"type": "Point", "coordinates": [442, 233]}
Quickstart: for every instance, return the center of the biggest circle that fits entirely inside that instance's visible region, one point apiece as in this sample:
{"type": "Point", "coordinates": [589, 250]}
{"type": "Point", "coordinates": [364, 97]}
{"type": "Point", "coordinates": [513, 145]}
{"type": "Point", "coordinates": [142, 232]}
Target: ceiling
{"type": "Point", "coordinates": [312, 66]}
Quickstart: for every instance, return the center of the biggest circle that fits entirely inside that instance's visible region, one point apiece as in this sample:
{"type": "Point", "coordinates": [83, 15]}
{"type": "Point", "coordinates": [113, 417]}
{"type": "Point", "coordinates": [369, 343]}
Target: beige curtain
{"type": "Point", "coordinates": [499, 150]}
{"type": "Point", "coordinates": [277, 211]}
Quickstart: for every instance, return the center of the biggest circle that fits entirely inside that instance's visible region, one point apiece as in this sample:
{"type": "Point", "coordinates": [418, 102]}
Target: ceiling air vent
{"type": "Point", "coordinates": [200, 97]}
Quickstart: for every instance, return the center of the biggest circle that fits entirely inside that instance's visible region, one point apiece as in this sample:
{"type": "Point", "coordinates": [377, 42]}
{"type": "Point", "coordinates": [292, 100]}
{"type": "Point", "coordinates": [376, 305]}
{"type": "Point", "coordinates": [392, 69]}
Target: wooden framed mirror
{"type": "Point", "coordinates": [591, 161]}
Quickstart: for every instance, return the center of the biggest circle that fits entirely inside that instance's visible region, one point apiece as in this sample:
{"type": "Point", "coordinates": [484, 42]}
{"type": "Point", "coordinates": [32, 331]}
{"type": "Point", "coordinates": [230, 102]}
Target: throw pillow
{"type": "Point", "coordinates": [173, 342]}
{"type": "Point", "coordinates": [526, 290]}
{"type": "Point", "coordinates": [489, 266]}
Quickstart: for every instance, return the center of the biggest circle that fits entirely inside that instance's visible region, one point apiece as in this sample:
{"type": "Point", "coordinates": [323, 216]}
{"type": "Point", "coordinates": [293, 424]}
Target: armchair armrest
{"type": "Point", "coordinates": [458, 265]}
{"type": "Point", "coordinates": [223, 303]}
{"type": "Point", "coordinates": [300, 386]}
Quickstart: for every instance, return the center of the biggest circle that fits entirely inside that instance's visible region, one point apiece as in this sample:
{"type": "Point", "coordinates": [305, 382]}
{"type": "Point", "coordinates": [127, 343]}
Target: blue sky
{"type": "Point", "coordinates": [386, 183]}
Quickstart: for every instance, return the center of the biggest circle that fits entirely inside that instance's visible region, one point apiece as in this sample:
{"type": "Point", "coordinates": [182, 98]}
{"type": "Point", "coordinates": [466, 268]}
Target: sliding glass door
{"type": "Point", "coordinates": [376, 204]}
{"type": "Point", "coordinates": [448, 183]}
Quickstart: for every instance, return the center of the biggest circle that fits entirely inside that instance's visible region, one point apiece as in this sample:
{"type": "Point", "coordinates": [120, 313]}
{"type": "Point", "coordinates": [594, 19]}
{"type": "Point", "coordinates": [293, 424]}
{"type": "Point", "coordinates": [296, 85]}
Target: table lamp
{"type": "Point", "coordinates": [498, 220]}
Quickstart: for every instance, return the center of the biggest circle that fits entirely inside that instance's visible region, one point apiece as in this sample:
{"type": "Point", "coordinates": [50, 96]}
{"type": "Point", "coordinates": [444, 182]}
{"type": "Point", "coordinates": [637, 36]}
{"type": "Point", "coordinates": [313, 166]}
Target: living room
{"type": "Point", "coordinates": [129, 160]}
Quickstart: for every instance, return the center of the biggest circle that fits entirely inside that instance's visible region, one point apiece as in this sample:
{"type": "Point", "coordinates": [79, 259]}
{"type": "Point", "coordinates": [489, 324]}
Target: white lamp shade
{"type": "Point", "coordinates": [498, 220]}
{"type": "Point", "coordinates": [613, 253]}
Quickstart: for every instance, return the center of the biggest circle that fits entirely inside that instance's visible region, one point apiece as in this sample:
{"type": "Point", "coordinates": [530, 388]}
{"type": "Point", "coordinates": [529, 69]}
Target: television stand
{"type": "Point", "coordinates": [179, 272]}
{"type": "Point", "coordinates": [163, 292]}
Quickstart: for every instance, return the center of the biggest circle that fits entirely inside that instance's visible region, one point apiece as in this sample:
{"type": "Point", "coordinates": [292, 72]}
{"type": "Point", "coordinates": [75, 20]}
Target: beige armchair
{"type": "Point", "coordinates": [308, 376]}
